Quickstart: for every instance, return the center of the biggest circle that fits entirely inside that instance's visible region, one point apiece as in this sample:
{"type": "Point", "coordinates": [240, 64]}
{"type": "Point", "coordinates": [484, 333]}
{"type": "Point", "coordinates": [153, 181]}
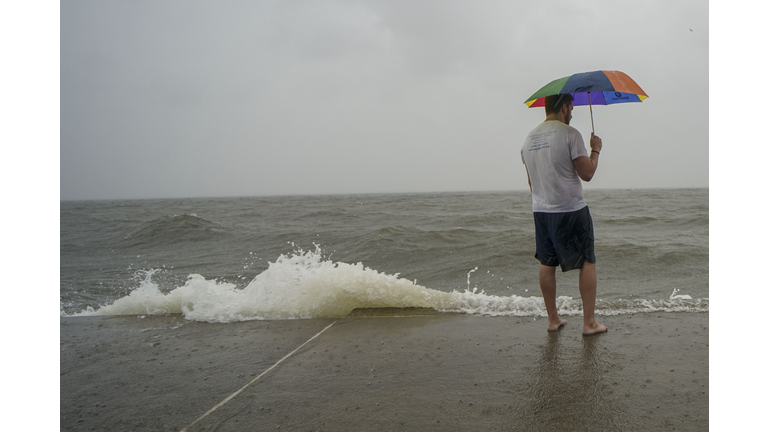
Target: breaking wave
{"type": "Point", "coordinates": [306, 285]}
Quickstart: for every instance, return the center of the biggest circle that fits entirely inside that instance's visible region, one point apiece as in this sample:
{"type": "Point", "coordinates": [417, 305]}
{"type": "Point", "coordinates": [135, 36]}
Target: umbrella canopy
{"type": "Point", "coordinates": [592, 88]}
{"type": "Point", "coordinates": [602, 87]}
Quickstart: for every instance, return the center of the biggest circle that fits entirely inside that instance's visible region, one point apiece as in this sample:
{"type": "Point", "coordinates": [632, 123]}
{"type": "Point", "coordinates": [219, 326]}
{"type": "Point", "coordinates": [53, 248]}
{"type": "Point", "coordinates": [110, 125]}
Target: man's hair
{"type": "Point", "coordinates": [553, 104]}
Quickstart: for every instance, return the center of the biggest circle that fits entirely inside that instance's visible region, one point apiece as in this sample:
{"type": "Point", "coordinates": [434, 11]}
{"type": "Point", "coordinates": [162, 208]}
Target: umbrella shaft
{"type": "Point", "coordinates": [589, 97]}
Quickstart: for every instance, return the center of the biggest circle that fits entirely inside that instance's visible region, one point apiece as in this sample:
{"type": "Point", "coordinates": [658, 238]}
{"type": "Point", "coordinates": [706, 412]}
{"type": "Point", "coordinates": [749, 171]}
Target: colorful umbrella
{"type": "Point", "coordinates": [592, 88]}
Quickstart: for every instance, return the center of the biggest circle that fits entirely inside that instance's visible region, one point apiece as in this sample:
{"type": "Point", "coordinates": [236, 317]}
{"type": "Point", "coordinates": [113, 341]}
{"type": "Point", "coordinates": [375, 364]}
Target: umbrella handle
{"type": "Point", "coordinates": [589, 96]}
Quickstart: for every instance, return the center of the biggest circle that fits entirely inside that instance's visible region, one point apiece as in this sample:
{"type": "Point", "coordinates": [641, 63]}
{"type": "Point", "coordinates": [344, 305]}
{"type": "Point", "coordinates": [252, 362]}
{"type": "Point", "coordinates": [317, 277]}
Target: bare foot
{"type": "Point", "coordinates": [556, 325]}
{"type": "Point", "coordinates": [594, 328]}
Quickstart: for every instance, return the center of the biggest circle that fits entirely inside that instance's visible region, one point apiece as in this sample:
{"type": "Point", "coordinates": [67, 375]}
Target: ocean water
{"type": "Point", "coordinates": [292, 257]}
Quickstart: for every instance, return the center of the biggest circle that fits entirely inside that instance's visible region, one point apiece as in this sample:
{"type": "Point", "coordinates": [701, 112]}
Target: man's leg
{"type": "Point", "coordinates": [588, 290]}
{"type": "Point", "coordinates": [548, 284]}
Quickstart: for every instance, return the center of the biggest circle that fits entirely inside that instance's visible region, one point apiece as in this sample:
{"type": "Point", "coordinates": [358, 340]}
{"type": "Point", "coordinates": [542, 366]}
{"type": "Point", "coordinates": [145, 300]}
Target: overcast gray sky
{"type": "Point", "coordinates": [237, 98]}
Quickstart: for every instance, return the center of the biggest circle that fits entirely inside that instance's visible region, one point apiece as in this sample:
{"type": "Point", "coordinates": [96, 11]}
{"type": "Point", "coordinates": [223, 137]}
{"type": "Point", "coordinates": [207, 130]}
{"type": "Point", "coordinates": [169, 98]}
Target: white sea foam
{"type": "Point", "coordinates": [676, 296]}
{"type": "Point", "coordinates": [305, 285]}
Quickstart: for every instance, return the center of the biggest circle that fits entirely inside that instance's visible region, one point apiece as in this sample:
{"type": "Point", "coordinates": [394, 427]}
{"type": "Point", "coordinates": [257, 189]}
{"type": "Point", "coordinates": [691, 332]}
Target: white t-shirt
{"type": "Point", "coordinates": [548, 154]}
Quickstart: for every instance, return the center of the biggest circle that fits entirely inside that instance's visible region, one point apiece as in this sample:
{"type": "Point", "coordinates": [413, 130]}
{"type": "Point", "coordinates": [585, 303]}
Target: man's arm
{"type": "Point", "coordinates": [586, 166]}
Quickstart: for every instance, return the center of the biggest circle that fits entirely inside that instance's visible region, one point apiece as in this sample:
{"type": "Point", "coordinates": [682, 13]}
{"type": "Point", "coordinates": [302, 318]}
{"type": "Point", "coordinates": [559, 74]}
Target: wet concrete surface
{"type": "Point", "coordinates": [393, 370]}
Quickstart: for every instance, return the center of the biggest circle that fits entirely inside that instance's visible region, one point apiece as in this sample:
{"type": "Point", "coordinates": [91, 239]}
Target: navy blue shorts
{"type": "Point", "coordinates": [565, 239]}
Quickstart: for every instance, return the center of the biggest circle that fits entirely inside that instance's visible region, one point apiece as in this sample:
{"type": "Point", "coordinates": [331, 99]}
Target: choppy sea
{"type": "Point", "coordinates": [289, 257]}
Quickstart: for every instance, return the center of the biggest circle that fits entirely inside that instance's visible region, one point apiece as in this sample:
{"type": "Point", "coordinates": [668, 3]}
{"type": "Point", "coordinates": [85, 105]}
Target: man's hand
{"type": "Point", "coordinates": [595, 142]}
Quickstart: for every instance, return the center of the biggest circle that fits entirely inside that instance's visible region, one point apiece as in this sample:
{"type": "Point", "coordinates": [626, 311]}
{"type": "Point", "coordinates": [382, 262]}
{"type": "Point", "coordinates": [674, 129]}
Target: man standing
{"type": "Point", "coordinates": [556, 161]}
